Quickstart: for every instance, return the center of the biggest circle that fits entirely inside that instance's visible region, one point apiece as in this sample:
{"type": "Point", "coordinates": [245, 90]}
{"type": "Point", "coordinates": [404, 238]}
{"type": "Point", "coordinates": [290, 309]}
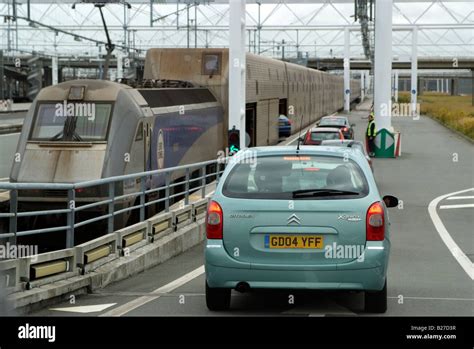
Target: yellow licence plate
{"type": "Point", "coordinates": [293, 241]}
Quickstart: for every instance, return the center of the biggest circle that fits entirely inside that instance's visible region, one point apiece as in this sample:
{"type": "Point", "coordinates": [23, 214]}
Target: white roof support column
{"type": "Point", "coordinates": [414, 69]}
{"type": "Point", "coordinates": [119, 55]}
{"type": "Point", "coordinates": [347, 70]}
{"type": "Point", "coordinates": [447, 86]}
{"type": "Point", "coordinates": [54, 70]}
{"type": "Point", "coordinates": [362, 85]}
{"type": "Point", "coordinates": [383, 64]}
{"type": "Point", "coordinates": [395, 86]}
{"type": "Point", "coordinates": [237, 68]}
{"type": "Point", "coordinates": [437, 85]}
{"type": "Point", "coordinates": [442, 85]}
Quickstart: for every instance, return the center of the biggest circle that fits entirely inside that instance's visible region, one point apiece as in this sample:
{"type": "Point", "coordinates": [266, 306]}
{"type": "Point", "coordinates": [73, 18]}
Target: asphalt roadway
{"type": "Point", "coordinates": [430, 271]}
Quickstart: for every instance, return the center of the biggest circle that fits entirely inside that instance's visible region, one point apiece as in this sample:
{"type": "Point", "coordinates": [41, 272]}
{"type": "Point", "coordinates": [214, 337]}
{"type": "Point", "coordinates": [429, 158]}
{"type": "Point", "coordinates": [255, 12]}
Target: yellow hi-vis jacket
{"type": "Point", "coordinates": [371, 129]}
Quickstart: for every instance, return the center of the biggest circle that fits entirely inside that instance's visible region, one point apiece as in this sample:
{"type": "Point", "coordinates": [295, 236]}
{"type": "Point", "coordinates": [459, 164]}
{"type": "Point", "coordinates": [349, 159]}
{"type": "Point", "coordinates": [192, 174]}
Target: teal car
{"type": "Point", "coordinates": [307, 218]}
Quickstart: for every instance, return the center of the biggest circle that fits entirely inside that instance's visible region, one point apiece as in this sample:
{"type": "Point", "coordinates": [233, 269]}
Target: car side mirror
{"type": "Point", "coordinates": [390, 201]}
{"type": "Point", "coordinates": [353, 125]}
{"type": "Point", "coordinates": [301, 139]}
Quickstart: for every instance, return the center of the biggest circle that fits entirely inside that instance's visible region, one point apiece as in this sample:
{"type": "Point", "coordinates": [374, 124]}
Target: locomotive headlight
{"type": "Point", "coordinates": [76, 93]}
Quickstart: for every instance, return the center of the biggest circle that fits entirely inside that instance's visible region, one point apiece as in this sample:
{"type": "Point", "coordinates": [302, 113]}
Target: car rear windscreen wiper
{"type": "Point", "coordinates": [322, 192]}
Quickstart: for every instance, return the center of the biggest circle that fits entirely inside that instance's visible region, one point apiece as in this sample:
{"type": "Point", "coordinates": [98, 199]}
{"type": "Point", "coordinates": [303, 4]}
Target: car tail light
{"type": "Point", "coordinates": [214, 221]}
{"type": "Point", "coordinates": [345, 129]}
{"type": "Point", "coordinates": [375, 225]}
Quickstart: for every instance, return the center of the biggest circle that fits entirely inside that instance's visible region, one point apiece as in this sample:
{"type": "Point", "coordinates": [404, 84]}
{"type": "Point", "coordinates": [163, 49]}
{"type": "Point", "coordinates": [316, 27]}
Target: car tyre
{"type": "Point", "coordinates": [376, 301]}
{"type": "Point", "coordinates": [217, 298]}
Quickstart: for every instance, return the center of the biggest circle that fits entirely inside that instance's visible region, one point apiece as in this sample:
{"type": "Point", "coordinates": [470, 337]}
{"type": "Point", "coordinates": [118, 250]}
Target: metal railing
{"type": "Point", "coordinates": [193, 177]}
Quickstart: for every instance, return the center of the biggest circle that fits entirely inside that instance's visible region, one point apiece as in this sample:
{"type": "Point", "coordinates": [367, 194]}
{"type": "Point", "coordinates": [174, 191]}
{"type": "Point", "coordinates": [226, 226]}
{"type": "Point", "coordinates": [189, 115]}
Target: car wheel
{"type": "Point", "coordinates": [217, 298]}
{"type": "Point", "coordinates": [376, 301]}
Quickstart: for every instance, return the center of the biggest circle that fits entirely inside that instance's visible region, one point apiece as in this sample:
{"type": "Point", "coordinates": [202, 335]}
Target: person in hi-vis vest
{"type": "Point", "coordinates": [370, 134]}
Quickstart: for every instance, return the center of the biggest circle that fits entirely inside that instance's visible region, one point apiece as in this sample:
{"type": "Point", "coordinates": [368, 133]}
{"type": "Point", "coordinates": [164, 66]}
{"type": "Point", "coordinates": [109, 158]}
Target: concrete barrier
{"type": "Point", "coordinates": [199, 208]}
{"type": "Point", "coordinates": [45, 268]}
{"type": "Point", "coordinates": [94, 253]}
{"type": "Point", "coordinates": [87, 277]}
{"type": "Point", "coordinates": [132, 237]}
{"type": "Point", "coordinates": [182, 217]}
{"type": "Point", "coordinates": [160, 225]}
{"type": "Point", "coordinates": [10, 276]}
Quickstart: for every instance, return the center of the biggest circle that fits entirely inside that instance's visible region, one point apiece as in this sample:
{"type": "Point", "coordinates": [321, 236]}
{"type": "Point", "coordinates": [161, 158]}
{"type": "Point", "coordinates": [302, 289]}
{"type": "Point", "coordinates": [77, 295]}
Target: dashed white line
{"type": "Point", "coordinates": [462, 259]}
{"type": "Point", "coordinates": [445, 207]}
{"type": "Point", "coordinates": [138, 302]}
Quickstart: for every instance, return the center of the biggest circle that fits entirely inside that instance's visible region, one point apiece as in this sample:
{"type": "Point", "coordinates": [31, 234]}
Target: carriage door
{"type": "Point", "coordinates": [251, 122]}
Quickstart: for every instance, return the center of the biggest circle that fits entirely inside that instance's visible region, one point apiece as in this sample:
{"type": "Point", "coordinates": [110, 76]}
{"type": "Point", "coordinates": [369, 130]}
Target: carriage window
{"type": "Point", "coordinates": [71, 122]}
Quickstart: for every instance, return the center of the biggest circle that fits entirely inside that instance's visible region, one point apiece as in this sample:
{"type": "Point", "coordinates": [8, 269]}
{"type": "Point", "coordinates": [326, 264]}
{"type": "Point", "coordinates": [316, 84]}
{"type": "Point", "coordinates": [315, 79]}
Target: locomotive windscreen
{"type": "Point", "coordinates": [157, 98]}
{"type": "Point", "coordinates": [71, 122]}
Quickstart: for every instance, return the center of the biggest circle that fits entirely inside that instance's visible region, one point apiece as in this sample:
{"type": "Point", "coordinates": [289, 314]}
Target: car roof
{"type": "Point", "coordinates": [325, 129]}
{"type": "Point", "coordinates": [329, 117]}
{"type": "Point", "coordinates": [321, 150]}
{"type": "Point", "coordinates": [341, 142]}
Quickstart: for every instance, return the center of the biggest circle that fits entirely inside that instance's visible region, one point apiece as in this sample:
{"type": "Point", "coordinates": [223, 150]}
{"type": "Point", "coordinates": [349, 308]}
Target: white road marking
{"type": "Point", "coordinates": [84, 309]}
{"type": "Point", "coordinates": [138, 302]}
{"type": "Point", "coordinates": [460, 197]}
{"type": "Point", "coordinates": [462, 259]}
{"type": "Point", "coordinates": [444, 207]}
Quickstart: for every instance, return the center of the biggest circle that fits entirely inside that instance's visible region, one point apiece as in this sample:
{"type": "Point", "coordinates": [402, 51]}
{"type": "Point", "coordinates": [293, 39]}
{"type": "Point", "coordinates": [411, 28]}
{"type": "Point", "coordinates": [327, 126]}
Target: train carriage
{"type": "Point", "coordinates": [272, 87]}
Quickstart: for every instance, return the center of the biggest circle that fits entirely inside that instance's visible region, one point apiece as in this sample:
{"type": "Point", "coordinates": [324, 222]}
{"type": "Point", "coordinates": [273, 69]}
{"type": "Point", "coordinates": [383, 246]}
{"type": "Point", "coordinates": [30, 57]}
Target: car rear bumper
{"type": "Point", "coordinates": [223, 271]}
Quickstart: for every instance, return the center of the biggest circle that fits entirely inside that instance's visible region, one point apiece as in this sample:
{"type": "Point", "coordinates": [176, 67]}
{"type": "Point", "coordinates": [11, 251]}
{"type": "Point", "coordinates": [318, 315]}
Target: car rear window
{"type": "Point", "coordinates": [333, 121]}
{"type": "Point", "coordinates": [278, 177]}
{"type": "Point", "coordinates": [324, 136]}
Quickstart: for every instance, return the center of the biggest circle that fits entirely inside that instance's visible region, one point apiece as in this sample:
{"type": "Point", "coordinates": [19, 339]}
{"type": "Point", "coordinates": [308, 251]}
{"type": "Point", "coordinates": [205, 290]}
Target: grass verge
{"type": "Point", "coordinates": [456, 112]}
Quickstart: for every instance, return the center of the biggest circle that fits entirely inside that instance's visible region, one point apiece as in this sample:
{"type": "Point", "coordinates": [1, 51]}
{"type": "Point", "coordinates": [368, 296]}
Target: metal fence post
{"type": "Point", "coordinates": [142, 198]}
{"type": "Point", "coordinates": [111, 208]}
{"type": "Point", "coordinates": [71, 203]}
{"type": "Point", "coordinates": [186, 194]}
{"type": "Point", "coordinates": [14, 210]}
{"type": "Point", "coordinates": [203, 181]}
{"type": "Point", "coordinates": [167, 192]}
{"type": "Point", "coordinates": [218, 167]}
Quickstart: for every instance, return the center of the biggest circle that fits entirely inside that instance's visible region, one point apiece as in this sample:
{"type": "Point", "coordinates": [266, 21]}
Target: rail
{"type": "Point", "coordinates": [192, 178]}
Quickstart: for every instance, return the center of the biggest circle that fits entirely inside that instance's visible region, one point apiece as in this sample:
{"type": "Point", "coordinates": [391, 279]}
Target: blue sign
{"type": "Point", "coordinates": [347, 91]}
{"type": "Point", "coordinates": [413, 92]}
